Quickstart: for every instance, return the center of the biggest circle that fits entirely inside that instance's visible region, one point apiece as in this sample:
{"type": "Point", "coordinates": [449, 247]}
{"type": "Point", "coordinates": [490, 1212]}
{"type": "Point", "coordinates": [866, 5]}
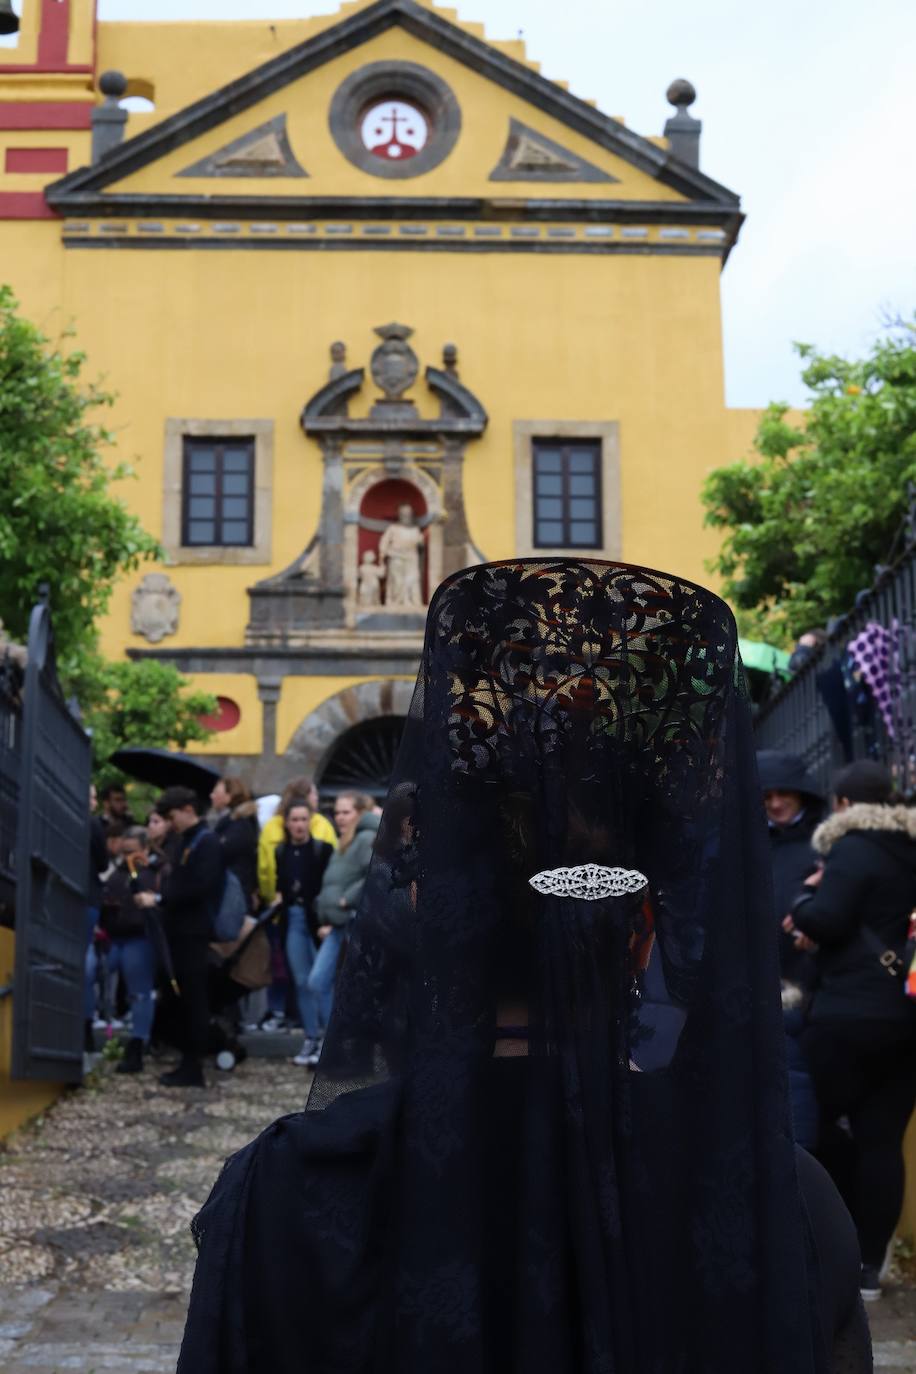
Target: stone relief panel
{"type": "Point", "coordinates": [155, 608]}
{"type": "Point", "coordinates": [262, 152]}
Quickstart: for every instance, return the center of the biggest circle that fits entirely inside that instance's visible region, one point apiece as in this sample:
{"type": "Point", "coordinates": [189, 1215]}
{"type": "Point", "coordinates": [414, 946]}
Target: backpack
{"type": "Point", "coordinates": [231, 908]}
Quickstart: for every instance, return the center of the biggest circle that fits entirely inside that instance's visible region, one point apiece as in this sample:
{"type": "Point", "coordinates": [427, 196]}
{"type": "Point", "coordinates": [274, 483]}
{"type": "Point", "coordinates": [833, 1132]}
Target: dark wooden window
{"type": "Point", "coordinates": [567, 494]}
{"type": "Point", "coordinates": [217, 493]}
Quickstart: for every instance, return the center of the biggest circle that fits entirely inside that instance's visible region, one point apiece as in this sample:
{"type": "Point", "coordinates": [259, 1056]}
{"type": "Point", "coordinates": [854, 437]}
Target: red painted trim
{"type": "Point", "coordinates": [30, 69]}
{"type": "Point", "coordinates": [54, 36]}
{"type": "Point", "coordinates": [53, 45]}
{"type": "Point", "coordinates": [36, 159]}
{"type": "Point", "coordinates": [45, 114]}
{"type": "Point", "coordinates": [25, 205]}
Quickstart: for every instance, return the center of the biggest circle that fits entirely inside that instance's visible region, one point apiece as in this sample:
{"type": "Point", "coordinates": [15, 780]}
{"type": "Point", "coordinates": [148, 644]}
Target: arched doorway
{"type": "Point", "coordinates": [349, 742]}
{"type": "Point", "coordinates": [363, 758]}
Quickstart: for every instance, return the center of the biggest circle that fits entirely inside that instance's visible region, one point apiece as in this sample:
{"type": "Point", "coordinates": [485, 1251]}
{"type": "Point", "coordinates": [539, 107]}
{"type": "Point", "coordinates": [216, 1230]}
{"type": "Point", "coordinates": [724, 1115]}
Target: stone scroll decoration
{"type": "Point", "coordinates": [393, 520]}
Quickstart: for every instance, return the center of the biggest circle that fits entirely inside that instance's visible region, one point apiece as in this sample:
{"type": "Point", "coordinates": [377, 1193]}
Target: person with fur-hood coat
{"type": "Point", "coordinates": [860, 1040]}
{"type": "Point", "coordinates": [236, 826]}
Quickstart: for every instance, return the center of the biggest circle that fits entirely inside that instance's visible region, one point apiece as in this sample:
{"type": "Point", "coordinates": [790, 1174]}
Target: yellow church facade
{"type": "Point", "coordinates": [378, 300]}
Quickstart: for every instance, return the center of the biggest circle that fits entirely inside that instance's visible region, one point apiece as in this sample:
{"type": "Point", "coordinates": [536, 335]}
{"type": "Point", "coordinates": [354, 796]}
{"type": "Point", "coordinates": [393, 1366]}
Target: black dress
{"type": "Point", "coordinates": [549, 1130]}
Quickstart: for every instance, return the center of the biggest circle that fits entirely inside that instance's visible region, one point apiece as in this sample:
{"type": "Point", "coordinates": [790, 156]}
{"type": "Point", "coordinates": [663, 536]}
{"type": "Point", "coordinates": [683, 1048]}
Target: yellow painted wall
{"type": "Point", "coordinates": [485, 113]}
{"type": "Point", "coordinates": [242, 688]}
{"type": "Point", "coordinates": [73, 142]}
{"type": "Point", "coordinates": [19, 1102]}
{"type": "Point", "coordinates": [566, 338]}
{"type": "Point", "coordinates": [634, 339]}
{"type": "Point", "coordinates": [184, 61]}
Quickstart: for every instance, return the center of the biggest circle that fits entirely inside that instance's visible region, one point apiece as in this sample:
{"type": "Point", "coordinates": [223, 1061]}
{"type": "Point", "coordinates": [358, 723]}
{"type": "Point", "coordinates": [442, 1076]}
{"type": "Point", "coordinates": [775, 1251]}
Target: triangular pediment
{"type": "Point", "coordinates": [299, 118]}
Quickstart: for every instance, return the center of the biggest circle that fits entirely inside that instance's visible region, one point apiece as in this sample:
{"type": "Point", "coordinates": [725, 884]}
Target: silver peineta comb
{"type": "Point", "coordinates": [588, 882]}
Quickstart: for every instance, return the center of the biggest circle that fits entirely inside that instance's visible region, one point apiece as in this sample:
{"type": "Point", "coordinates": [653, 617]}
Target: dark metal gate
{"type": "Point", "coordinates": [52, 871]}
{"type": "Point", "coordinates": [11, 684]}
{"type": "Point", "coordinates": [798, 719]}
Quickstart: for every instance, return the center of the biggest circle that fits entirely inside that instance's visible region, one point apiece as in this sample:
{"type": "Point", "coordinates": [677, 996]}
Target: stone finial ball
{"type": "Point", "coordinates": [113, 84]}
{"type": "Point", "coordinates": [681, 93]}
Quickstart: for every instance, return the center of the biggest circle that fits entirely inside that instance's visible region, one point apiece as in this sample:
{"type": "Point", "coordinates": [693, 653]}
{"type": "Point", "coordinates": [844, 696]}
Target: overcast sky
{"type": "Point", "coordinates": [807, 109]}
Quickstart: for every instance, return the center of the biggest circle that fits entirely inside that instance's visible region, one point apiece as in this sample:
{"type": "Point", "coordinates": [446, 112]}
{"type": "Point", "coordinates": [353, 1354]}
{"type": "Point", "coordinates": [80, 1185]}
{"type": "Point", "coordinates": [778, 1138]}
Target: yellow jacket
{"type": "Point", "coordinates": [271, 835]}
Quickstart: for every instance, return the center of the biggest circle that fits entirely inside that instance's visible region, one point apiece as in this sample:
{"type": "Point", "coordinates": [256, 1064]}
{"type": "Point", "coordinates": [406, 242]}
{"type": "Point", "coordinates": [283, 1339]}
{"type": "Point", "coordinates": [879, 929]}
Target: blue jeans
{"type": "Point", "coordinates": [300, 957]}
{"type": "Point", "coordinates": [137, 962]}
{"type": "Point", "coordinates": [276, 992]}
{"type": "Point", "coordinates": [324, 970]}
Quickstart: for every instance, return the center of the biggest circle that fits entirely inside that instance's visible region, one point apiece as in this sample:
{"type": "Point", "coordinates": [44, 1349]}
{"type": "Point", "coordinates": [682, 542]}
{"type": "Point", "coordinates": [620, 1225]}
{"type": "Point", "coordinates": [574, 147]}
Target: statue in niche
{"type": "Point", "coordinates": [400, 550]}
{"type": "Point", "coordinates": [370, 578]}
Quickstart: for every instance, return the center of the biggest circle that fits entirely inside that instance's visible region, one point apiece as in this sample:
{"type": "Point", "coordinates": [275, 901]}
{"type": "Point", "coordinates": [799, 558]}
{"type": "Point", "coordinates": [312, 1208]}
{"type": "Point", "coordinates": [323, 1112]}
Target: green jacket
{"type": "Point", "coordinates": [345, 875]}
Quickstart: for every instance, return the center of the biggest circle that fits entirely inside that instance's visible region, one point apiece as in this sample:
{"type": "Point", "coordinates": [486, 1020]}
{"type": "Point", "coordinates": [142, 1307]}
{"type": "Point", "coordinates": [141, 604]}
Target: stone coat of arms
{"type": "Point", "coordinates": [155, 606]}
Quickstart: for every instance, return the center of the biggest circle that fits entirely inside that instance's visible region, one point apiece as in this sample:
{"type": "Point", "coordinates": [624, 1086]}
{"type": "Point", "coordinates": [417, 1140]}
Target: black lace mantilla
{"type": "Point", "coordinates": [547, 1135]}
{"type": "Point", "coordinates": [536, 649]}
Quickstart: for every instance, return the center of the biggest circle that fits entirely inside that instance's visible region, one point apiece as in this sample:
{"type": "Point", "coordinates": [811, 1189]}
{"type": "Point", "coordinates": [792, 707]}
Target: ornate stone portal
{"type": "Point", "coordinates": [393, 520]}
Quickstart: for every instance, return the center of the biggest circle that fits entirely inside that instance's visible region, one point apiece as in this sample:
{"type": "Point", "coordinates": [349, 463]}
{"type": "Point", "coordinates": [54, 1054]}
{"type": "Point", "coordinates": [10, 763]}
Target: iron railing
{"type": "Point", "coordinates": [799, 720]}
{"type": "Point", "coordinates": [52, 872]}
{"type": "Point", "coordinates": [11, 684]}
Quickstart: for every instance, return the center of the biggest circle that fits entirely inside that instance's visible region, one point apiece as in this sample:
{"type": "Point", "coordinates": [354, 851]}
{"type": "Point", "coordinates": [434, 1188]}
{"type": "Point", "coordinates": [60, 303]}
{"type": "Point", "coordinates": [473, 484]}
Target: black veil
{"type": "Point", "coordinates": [548, 1133]}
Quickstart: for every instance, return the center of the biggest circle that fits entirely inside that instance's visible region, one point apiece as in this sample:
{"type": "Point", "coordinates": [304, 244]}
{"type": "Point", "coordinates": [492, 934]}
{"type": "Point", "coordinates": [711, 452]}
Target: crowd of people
{"type": "Point", "coordinates": [844, 883]}
{"type": "Point", "coordinates": [845, 900]}
{"type": "Point", "coordinates": [205, 921]}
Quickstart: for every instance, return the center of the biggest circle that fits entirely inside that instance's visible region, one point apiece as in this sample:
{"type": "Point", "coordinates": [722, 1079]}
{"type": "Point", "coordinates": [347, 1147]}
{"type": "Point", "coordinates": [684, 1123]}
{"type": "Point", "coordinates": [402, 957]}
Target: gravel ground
{"type": "Point", "coordinates": [95, 1198]}
{"type": "Point", "coordinates": [96, 1256]}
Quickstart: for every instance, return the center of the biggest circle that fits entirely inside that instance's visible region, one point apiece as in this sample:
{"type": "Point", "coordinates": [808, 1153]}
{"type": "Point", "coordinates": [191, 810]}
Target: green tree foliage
{"type": "Point", "coordinates": [142, 703]}
{"type": "Point", "coordinates": [60, 524]}
{"type": "Point", "coordinates": [808, 519]}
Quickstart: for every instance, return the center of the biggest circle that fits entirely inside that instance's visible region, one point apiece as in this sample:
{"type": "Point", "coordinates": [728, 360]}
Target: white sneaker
{"type": "Point", "coordinates": [315, 1053]}
{"type": "Point", "coordinates": [307, 1056]}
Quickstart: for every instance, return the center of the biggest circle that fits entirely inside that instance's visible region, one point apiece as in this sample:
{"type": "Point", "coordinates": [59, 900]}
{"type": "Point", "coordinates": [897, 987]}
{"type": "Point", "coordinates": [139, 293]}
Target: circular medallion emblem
{"type": "Point", "coordinates": [394, 129]}
{"type": "Point", "coordinates": [395, 119]}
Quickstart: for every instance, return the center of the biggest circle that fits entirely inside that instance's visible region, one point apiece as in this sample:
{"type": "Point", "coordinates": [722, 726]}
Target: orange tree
{"type": "Point", "coordinates": [60, 524]}
{"type": "Point", "coordinates": [808, 520]}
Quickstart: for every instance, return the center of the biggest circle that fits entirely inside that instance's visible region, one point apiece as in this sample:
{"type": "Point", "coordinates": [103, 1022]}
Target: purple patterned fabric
{"type": "Point", "coordinates": [875, 653]}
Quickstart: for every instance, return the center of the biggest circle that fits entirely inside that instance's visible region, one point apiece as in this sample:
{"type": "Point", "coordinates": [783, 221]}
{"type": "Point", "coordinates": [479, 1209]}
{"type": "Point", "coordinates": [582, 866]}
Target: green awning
{"type": "Point", "coordinates": [765, 658]}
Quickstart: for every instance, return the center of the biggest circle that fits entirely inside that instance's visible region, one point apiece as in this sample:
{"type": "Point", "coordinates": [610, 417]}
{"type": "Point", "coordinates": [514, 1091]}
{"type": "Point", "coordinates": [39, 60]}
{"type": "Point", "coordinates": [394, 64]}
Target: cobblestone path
{"type": "Point", "coordinates": [95, 1199]}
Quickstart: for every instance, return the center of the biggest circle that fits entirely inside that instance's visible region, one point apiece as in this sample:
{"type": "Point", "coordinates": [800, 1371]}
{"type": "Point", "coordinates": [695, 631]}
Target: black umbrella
{"type": "Point", "coordinates": [163, 768]}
